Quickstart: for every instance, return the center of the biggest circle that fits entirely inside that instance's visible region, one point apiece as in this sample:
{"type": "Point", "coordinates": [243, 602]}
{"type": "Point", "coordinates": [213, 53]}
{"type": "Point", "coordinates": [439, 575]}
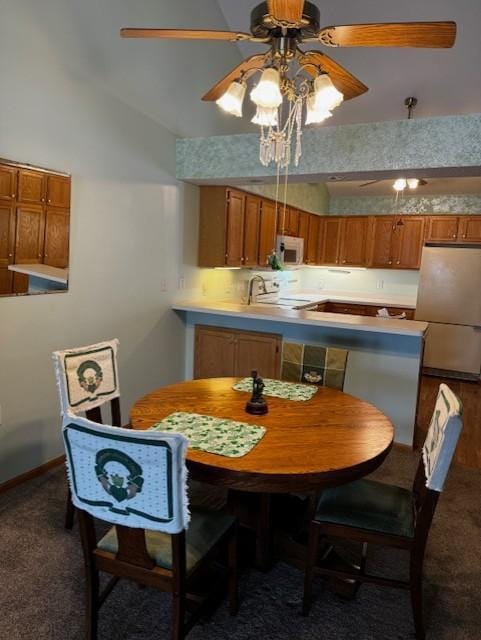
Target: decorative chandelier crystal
{"type": "Point", "coordinates": [281, 97]}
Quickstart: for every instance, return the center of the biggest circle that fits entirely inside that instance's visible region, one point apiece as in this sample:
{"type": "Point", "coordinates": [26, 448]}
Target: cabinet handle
{"type": "Point", "coordinates": [13, 195]}
{"type": "Point", "coordinates": [390, 262]}
{"type": "Point", "coordinates": [343, 262]}
{"type": "Point", "coordinates": [454, 235]}
{"type": "Point", "coordinates": [46, 255]}
{"type": "Point", "coordinates": [49, 201]}
{"type": "Point", "coordinates": [464, 235]}
{"type": "Point", "coordinates": [398, 262]}
{"type": "Point", "coordinates": [10, 255]}
{"type": "Point", "coordinates": [42, 199]}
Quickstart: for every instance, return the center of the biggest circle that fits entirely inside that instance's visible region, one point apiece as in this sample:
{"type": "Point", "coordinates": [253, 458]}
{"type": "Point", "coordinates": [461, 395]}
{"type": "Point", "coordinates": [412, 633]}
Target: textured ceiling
{"type": "Point", "coordinates": [446, 82]}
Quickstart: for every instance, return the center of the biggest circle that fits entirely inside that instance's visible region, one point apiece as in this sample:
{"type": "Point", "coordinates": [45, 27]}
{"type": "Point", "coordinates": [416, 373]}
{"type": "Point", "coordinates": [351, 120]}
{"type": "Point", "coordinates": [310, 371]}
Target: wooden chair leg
{"type": "Point", "coordinates": [416, 581]}
{"type": "Point", "coordinates": [233, 572]}
{"type": "Point", "coordinates": [92, 603]}
{"type": "Point", "coordinates": [69, 510]}
{"type": "Point", "coordinates": [178, 615]}
{"type": "Point", "coordinates": [311, 556]}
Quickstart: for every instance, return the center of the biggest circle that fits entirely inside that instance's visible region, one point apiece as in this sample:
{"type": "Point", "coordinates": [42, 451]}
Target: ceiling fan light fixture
{"type": "Point", "coordinates": [267, 92]}
{"type": "Point", "coordinates": [400, 184]}
{"type": "Point", "coordinates": [266, 117]}
{"type": "Point", "coordinates": [231, 101]}
{"type": "Point", "coordinates": [326, 95]}
{"type": "Point", "coordinates": [413, 183]}
{"type": "Point", "coordinates": [314, 115]}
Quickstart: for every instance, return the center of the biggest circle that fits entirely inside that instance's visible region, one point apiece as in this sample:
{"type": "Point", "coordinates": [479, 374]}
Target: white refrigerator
{"type": "Point", "coordinates": [449, 298]}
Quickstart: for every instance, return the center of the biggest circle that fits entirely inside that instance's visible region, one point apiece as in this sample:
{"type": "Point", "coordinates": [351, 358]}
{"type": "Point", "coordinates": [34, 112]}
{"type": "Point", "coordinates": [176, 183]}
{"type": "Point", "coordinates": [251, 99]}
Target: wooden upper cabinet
{"type": "Point", "coordinates": [312, 255]}
{"type": "Point", "coordinates": [442, 229]}
{"type": "Point", "coordinates": [380, 254]}
{"type": "Point", "coordinates": [330, 241]}
{"type": "Point", "coordinates": [267, 231]}
{"type": "Point", "coordinates": [287, 221]}
{"type": "Point", "coordinates": [354, 241]}
{"type": "Point", "coordinates": [251, 230]}
{"type": "Point", "coordinates": [234, 253]}
{"type": "Point", "coordinates": [58, 191]}
{"type": "Point", "coordinates": [29, 235]}
{"type": "Point", "coordinates": [8, 183]}
{"type": "Point", "coordinates": [303, 231]}
{"type": "Point", "coordinates": [57, 225]}
{"type": "Point", "coordinates": [411, 232]}
{"type": "Point", "coordinates": [470, 229]}
{"type": "Point", "coordinates": [31, 186]}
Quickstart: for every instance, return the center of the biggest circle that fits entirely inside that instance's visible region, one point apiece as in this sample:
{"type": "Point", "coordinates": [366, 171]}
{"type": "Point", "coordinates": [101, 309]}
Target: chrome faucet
{"type": "Point", "coordinates": [251, 284]}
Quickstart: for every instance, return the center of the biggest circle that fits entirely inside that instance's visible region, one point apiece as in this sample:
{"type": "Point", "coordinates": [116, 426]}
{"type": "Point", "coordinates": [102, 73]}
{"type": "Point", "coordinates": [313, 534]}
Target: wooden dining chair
{"type": "Point", "coordinates": [372, 512]}
{"type": "Point", "coordinates": [137, 481]}
{"type": "Point", "coordinates": [314, 364]}
{"type": "Point", "coordinates": [87, 381]}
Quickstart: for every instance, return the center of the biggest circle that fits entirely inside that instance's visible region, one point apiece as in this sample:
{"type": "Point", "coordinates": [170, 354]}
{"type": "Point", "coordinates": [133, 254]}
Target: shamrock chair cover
{"type": "Point", "coordinates": [87, 377]}
{"type": "Point", "coordinates": [133, 478]}
{"type": "Point", "coordinates": [443, 434]}
{"type": "Point", "coordinates": [314, 364]}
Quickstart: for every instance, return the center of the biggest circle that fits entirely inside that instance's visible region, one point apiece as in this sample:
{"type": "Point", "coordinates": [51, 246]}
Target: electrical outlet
{"type": "Point", "coordinates": [181, 283]}
{"type": "Point", "coordinates": [0, 414]}
{"type": "Point", "coordinates": [380, 284]}
{"type": "Point", "coordinates": [320, 284]}
{"type": "Point", "coordinates": [163, 285]}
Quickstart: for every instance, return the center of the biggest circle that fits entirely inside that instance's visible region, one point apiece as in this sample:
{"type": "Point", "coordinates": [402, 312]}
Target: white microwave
{"type": "Point", "coordinates": [290, 250]}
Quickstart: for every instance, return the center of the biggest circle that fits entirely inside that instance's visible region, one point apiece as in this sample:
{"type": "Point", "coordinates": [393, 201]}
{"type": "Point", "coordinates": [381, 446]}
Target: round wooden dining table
{"type": "Point", "coordinates": [328, 440]}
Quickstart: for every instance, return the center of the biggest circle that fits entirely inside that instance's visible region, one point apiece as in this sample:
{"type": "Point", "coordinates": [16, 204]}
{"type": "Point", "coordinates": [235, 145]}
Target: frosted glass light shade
{"type": "Point", "coordinates": [399, 184]}
{"type": "Point", "coordinates": [413, 183]}
{"type": "Point", "coordinates": [313, 114]}
{"type": "Point", "coordinates": [267, 92]}
{"type": "Point", "coordinates": [231, 101]}
{"type": "Point", "coordinates": [327, 96]}
{"type": "Point", "coordinates": [266, 117]}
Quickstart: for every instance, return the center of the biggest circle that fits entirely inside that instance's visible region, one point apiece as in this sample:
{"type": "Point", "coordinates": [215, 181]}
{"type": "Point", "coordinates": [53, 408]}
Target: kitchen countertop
{"type": "Point", "coordinates": [41, 271]}
{"type": "Point", "coordinates": [313, 318]}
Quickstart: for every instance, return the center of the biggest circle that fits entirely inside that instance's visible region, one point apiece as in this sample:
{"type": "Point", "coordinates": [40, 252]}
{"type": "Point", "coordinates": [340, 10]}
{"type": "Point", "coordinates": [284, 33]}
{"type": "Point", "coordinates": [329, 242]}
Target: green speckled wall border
{"type": "Point", "coordinates": [372, 205]}
{"type": "Point", "coordinates": [450, 142]}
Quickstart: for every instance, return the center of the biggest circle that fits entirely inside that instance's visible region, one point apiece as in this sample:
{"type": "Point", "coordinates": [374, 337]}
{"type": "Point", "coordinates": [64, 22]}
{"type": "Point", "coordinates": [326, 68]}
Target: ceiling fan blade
{"type": "Point", "coordinates": [343, 80]}
{"type": "Point", "coordinates": [184, 34]}
{"type": "Point", "coordinates": [249, 64]}
{"type": "Point", "coordinates": [366, 184]}
{"type": "Point", "coordinates": [391, 34]}
{"type": "Point", "coordinates": [286, 10]}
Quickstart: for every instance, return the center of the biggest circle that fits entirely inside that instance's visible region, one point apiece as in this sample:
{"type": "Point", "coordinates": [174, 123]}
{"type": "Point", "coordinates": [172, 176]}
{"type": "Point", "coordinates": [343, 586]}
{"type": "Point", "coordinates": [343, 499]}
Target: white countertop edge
{"type": "Point", "coordinates": [312, 318]}
{"type": "Point", "coordinates": [41, 271]}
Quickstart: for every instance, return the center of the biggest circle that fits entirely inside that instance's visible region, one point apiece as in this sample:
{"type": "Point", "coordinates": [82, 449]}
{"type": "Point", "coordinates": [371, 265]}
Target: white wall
{"type": "Point", "coordinates": [130, 223]}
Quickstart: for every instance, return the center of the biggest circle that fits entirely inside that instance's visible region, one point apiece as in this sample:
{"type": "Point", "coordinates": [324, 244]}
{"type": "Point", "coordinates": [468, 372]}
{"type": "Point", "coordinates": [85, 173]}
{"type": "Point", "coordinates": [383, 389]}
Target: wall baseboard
{"type": "Point", "coordinates": [33, 473]}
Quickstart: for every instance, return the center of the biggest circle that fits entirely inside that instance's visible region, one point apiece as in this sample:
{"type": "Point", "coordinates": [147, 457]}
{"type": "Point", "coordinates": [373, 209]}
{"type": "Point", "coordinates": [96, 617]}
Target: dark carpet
{"type": "Point", "coordinates": [41, 579]}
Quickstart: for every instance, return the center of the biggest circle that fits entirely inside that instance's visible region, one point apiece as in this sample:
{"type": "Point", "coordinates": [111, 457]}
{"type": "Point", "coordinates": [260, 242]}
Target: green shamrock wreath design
{"type": "Point", "coordinates": [88, 380]}
{"type": "Point", "coordinates": [114, 483]}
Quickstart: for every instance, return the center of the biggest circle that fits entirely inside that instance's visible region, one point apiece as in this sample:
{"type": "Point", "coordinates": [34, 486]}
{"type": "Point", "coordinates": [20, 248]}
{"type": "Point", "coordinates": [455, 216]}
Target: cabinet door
{"type": "Point", "coordinates": [442, 229]}
{"type": "Point", "coordinates": [312, 256]}
{"type": "Point", "coordinates": [257, 351]}
{"type": "Point", "coordinates": [381, 241]}
{"type": "Point", "coordinates": [29, 235]}
{"type": "Point", "coordinates": [214, 352]}
{"type": "Point", "coordinates": [7, 243]}
{"type": "Point", "coordinates": [469, 229]}
{"type": "Point", "coordinates": [58, 191]}
{"type": "Point", "coordinates": [251, 230]}
{"type": "Point", "coordinates": [57, 224]}
{"type": "Point", "coordinates": [330, 242]}
{"type": "Point", "coordinates": [303, 230]}
{"type": "Point", "coordinates": [234, 252]}
{"type": "Point", "coordinates": [293, 222]}
{"type": "Point", "coordinates": [267, 231]}
{"type": "Point", "coordinates": [411, 243]}
{"type": "Point", "coordinates": [8, 183]}
{"type": "Point", "coordinates": [353, 243]}
{"type": "Point", "coordinates": [31, 186]}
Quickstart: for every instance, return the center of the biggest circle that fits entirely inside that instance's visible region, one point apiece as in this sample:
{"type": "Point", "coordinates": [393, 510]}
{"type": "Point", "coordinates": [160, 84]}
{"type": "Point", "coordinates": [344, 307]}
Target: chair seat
{"type": "Point", "coordinates": [204, 531]}
{"type": "Point", "coordinates": [370, 505]}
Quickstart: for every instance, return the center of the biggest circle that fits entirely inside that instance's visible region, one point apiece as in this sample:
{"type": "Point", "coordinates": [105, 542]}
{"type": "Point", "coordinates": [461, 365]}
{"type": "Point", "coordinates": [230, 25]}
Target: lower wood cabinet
{"type": "Point", "coordinates": [354, 309]}
{"type": "Point", "coordinates": [223, 352]}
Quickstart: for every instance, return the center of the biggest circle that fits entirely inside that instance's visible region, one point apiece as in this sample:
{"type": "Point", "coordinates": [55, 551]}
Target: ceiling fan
{"type": "Point", "coordinates": [286, 24]}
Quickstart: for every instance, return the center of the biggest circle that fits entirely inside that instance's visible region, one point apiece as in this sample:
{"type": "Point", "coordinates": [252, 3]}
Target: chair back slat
{"type": "Point", "coordinates": [87, 377]}
{"type": "Point", "coordinates": [131, 478]}
{"type": "Point", "coordinates": [314, 364]}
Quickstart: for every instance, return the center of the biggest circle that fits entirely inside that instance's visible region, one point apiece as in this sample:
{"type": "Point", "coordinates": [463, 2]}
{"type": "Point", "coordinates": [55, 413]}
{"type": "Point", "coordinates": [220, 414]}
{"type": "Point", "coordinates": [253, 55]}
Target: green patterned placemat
{"type": "Point", "coordinates": [280, 389]}
{"type": "Point", "coordinates": [214, 435]}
